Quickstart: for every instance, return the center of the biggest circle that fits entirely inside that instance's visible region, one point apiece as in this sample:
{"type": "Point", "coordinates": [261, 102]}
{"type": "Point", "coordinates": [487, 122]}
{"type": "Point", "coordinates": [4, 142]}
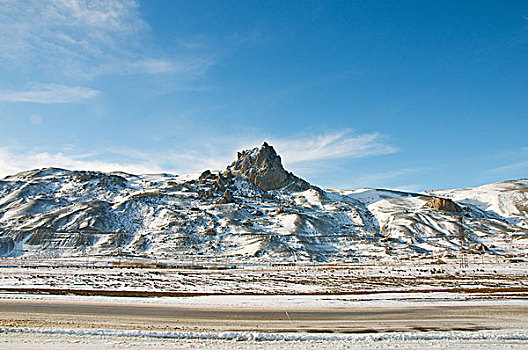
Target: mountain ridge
{"type": "Point", "coordinates": [253, 211]}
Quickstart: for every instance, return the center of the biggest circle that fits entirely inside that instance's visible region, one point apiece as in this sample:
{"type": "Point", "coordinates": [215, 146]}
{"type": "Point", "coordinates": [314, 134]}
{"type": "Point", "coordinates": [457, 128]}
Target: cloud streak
{"type": "Point", "coordinates": [304, 153]}
{"type": "Point", "coordinates": [307, 152]}
{"type": "Point", "coordinates": [189, 66]}
{"type": "Point", "coordinates": [12, 163]}
{"type": "Point", "coordinates": [50, 94]}
{"type": "Point", "coordinates": [333, 145]}
{"type": "Point", "coordinates": [517, 161]}
{"type": "Point", "coordinates": [510, 167]}
{"type": "Point", "coordinates": [72, 42]}
{"type": "Point", "coordinates": [62, 34]}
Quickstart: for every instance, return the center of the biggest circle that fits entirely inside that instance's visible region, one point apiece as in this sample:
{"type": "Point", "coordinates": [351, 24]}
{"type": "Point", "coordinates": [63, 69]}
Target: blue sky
{"type": "Point", "coordinates": [398, 94]}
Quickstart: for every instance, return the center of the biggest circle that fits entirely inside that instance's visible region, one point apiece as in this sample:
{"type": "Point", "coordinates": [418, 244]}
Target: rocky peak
{"type": "Point", "coordinates": [263, 167]}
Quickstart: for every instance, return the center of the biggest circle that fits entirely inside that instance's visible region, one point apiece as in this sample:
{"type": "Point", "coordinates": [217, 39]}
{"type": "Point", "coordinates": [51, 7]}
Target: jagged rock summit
{"type": "Point", "coordinates": [263, 167]}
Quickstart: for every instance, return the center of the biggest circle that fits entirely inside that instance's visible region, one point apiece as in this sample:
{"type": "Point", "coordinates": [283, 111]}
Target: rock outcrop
{"type": "Point", "coordinates": [263, 167]}
{"type": "Point", "coordinates": [227, 197]}
{"type": "Point", "coordinates": [444, 204]}
{"type": "Point", "coordinates": [206, 175]}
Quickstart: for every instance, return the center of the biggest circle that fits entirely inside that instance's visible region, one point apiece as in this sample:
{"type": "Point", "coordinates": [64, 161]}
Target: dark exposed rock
{"type": "Point", "coordinates": [206, 175]}
{"type": "Point", "coordinates": [206, 194]}
{"type": "Point", "coordinates": [210, 232]}
{"type": "Point", "coordinates": [444, 204]}
{"type": "Point", "coordinates": [263, 167]}
{"type": "Point", "coordinates": [100, 178]}
{"type": "Point", "coordinates": [481, 248]}
{"type": "Point", "coordinates": [227, 197]}
{"type": "Point", "coordinates": [228, 176]}
{"type": "Point", "coordinates": [220, 184]}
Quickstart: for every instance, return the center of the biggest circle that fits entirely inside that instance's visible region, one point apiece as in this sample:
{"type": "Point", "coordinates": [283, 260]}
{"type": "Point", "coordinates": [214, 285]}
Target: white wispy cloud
{"type": "Point", "coordinates": [515, 159]}
{"type": "Point", "coordinates": [14, 162]}
{"type": "Point", "coordinates": [153, 66]}
{"type": "Point", "coordinates": [333, 145]}
{"type": "Point", "coordinates": [510, 167]}
{"type": "Point", "coordinates": [190, 66]}
{"type": "Point", "coordinates": [70, 42]}
{"type": "Point", "coordinates": [67, 35]}
{"type": "Point", "coordinates": [134, 161]}
{"type": "Point", "coordinates": [49, 93]}
{"type": "Point", "coordinates": [297, 153]}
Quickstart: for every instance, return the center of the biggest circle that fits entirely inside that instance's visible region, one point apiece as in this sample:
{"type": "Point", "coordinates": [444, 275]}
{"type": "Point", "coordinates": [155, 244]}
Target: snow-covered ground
{"type": "Point", "coordinates": [403, 276]}
{"type": "Point", "coordinates": [25, 339]}
{"type": "Point", "coordinates": [479, 286]}
{"type": "Point", "coordinates": [71, 332]}
{"type": "Point", "coordinates": [293, 302]}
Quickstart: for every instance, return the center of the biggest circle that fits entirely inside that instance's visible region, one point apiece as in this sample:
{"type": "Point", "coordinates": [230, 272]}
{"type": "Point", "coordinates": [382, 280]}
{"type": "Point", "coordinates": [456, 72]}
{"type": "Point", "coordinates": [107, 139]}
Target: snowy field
{"type": "Point", "coordinates": [103, 339]}
{"type": "Point", "coordinates": [291, 302]}
{"type": "Point", "coordinates": [405, 305]}
{"type": "Point", "coordinates": [383, 321]}
{"type": "Point", "coordinates": [416, 276]}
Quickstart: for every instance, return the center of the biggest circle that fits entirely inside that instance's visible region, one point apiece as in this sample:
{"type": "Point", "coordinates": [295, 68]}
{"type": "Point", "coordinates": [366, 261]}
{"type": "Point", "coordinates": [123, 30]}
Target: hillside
{"type": "Point", "coordinates": [253, 211]}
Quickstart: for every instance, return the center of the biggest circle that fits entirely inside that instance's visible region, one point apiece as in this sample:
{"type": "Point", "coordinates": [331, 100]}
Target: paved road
{"type": "Point", "coordinates": [42, 313]}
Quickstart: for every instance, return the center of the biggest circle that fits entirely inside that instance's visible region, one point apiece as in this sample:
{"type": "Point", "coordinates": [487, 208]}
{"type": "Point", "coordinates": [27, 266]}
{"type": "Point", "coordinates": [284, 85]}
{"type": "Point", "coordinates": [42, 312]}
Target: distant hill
{"type": "Point", "coordinates": [254, 211]}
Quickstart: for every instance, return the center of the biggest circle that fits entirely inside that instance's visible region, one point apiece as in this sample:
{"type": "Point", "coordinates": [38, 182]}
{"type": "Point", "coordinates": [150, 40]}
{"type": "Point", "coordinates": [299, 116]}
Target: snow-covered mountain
{"type": "Point", "coordinates": [253, 211]}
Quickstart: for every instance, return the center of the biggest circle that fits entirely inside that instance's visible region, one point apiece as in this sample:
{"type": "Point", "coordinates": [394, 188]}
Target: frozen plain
{"type": "Point", "coordinates": [379, 305]}
{"type": "Point", "coordinates": [401, 305]}
{"type": "Point", "coordinates": [511, 339]}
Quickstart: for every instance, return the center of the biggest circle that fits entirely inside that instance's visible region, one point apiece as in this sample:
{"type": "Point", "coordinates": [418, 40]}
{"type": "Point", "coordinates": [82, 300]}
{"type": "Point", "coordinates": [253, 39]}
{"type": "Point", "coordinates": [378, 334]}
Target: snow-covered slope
{"type": "Point", "coordinates": [225, 216]}
{"type": "Point", "coordinates": [507, 200]}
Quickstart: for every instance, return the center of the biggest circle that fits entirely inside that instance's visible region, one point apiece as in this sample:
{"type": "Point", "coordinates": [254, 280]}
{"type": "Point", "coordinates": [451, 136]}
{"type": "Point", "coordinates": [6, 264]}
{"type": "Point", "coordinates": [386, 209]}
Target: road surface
{"type": "Point", "coordinates": [101, 314]}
